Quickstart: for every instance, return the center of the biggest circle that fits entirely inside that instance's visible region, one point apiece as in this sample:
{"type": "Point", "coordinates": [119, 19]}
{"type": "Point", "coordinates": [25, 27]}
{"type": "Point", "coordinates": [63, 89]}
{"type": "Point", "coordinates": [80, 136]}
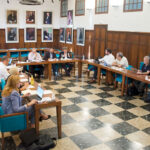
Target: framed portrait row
{"type": "Point", "coordinates": [30, 34]}
{"type": "Point", "coordinates": [66, 35]}
{"type": "Point", "coordinates": [30, 17]}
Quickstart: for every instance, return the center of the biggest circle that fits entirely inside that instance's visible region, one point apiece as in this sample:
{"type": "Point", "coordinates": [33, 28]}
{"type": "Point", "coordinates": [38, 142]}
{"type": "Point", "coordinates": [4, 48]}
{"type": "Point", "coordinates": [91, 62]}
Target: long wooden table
{"type": "Point", "coordinates": [55, 103]}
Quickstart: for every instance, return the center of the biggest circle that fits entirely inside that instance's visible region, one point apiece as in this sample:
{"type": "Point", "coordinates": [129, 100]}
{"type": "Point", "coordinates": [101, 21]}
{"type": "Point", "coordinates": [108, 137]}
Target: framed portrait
{"type": "Point", "coordinates": [30, 17]}
{"type": "Point", "coordinates": [80, 36]}
{"type": "Point", "coordinates": [30, 34]}
{"type": "Point", "coordinates": [11, 16]}
{"type": "Point", "coordinates": [70, 17]}
{"type": "Point", "coordinates": [47, 34]}
{"type": "Point", "coordinates": [47, 17]}
{"type": "Point", "coordinates": [69, 35]}
{"type": "Point", "coordinates": [62, 35]}
{"type": "Point", "coordinates": [12, 35]}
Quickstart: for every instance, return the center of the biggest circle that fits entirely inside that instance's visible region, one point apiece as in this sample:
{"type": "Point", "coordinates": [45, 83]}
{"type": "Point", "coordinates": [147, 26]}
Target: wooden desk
{"type": "Point", "coordinates": [60, 62]}
{"type": "Point", "coordinates": [56, 103]}
{"type": "Point", "coordinates": [99, 66]}
{"type": "Point", "coordinates": [46, 63]}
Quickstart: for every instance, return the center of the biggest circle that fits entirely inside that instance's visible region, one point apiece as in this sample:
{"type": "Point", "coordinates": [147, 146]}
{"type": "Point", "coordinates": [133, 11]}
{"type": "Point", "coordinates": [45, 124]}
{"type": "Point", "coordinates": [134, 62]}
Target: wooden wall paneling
{"type": "Point", "coordinates": [39, 38]}
{"type": "Point", "coordinates": [21, 38]}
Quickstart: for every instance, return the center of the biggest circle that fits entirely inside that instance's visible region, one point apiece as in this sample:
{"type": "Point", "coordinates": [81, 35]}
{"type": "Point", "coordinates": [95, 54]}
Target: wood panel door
{"type": "Point", "coordinates": [100, 34]}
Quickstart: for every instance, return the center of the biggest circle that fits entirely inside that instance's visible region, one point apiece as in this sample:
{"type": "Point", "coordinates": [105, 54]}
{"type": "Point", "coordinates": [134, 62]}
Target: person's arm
{"type": "Point", "coordinates": [54, 56]}
{"type": "Point", "coordinates": [15, 97]}
{"type": "Point", "coordinates": [46, 56]}
{"type": "Point", "coordinates": [6, 74]}
{"type": "Point", "coordinates": [38, 57]}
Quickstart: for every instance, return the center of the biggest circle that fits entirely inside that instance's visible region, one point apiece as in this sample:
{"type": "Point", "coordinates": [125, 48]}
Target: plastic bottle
{"type": "Point", "coordinates": [32, 80]}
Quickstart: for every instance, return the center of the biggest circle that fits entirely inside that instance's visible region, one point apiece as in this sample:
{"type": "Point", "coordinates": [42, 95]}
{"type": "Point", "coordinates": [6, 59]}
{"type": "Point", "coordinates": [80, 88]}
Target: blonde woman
{"type": "Point", "coordinates": [12, 101]}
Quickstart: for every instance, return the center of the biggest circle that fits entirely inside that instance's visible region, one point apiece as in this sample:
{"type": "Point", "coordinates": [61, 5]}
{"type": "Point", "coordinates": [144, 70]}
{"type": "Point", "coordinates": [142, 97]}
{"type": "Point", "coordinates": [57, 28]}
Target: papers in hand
{"type": "Point", "coordinates": [32, 92]}
{"type": "Point", "coordinates": [21, 76]}
{"type": "Point", "coordinates": [23, 80]}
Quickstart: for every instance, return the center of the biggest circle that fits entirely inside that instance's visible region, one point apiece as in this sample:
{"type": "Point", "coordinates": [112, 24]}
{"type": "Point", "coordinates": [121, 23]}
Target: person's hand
{"type": "Point", "coordinates": [28, 94]}
{"type": "Point", "coordinates": [139, 72]}
{"type": "Point", "coordinates": [119, 66]}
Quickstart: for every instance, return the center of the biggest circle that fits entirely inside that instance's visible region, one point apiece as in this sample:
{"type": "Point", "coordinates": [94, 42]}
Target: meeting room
{"type": "Point", "coordinates": [74, 75]}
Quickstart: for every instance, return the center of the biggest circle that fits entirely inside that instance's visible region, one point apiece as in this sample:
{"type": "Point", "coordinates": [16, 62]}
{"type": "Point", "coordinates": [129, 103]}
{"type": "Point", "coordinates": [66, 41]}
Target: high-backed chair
{"type": "Point", "coordinates": [12, 122]}
{"type": "Point", "coordinates": [2, 85]}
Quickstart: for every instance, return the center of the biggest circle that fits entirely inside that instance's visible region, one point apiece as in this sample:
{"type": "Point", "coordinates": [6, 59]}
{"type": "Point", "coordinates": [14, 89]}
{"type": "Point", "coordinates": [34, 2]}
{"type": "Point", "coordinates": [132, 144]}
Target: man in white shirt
{"type": "Point", "coordinates": [121, 61]}
{"type": "Point", "coordinates": [35, 69]}
{"type": "Point", "coordinates": [34, 55]}
{"type": "Point", "coordinates": [3, 68]}
{"type": "Point", "coordinates": [108, 59]}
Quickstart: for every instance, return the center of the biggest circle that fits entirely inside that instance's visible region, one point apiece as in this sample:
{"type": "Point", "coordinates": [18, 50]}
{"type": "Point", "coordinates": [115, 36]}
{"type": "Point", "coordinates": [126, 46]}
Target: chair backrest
{"type": "Point", "coordinates": [1, 111]}
{"type": "Point", "coordinates": [2, 84]}
{"type": "Point", "coordinates": [129, 67]}
{"type": "Point", "coordinates": [141, 65]}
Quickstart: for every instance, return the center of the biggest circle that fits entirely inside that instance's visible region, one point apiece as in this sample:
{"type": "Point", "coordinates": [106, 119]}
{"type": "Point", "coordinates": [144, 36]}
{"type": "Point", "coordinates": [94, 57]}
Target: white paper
{"type": "Point", "coordinates": [32, 92]}
{"type": "Point", "coordinates": [21, 76]}
{"type": "Point", "coordinates": [30, 87]}
{"type": "Point", "coordinates": [23, 80]}
{"type": "Point", "coordinates": [48, 92]}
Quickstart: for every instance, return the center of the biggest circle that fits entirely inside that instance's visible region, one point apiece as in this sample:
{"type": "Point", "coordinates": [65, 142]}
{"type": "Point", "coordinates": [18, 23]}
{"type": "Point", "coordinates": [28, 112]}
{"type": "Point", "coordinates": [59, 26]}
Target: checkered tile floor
{"type": "Point", "coordinates": [95, 118]}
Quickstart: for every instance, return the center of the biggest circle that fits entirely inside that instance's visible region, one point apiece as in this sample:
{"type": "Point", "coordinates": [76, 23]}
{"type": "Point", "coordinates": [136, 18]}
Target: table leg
{"type": "Point", "coordinates": [37, 120]}
{"type": "Point", "coordinates": [123, 84]}
{"type": "Point", "coordinates": [79, 69]}
{"type": "Point", "coordinates": [58, 109]}
{"type": "Point", "coordinates": [99, 75]}
{"type": "Point", "coordinates": [50, 71]}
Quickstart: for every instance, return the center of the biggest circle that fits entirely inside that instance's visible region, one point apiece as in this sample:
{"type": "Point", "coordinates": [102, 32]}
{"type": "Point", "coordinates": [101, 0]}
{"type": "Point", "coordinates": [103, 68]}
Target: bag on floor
{"type": "Point", "coordinates": [28, 137]}
{"type": "Point", "coordinates": [132, 91]}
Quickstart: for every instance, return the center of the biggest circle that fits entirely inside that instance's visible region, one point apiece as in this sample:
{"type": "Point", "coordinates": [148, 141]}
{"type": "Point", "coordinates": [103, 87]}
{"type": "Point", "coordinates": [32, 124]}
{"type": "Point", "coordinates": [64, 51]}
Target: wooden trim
{"type": "Point", "coordinates": [14, 114]}
{"type": "Point", "coordinates": [101, 12]}
{"type": "Point", "coordinates": [136, 10]}
{"type": "Point", "coordinates": [76, 9]}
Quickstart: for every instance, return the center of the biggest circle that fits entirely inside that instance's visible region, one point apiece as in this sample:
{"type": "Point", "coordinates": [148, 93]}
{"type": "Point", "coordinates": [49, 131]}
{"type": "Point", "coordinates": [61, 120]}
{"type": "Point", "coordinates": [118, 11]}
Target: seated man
{"type": "Point", "coordinates": [35, 56]}
{"type": "Point", "coordinates": [145, 71]}
{"type": "Point", "coordinates": [51, 55]}
{"type": "Point", "coordinates": [121, 61]}
{"type": "Point", "coordinates": [3, 70]}
{"type": "Point", "coordinates": [108, 59]}
{"type": "Point", "coordinates": [67, 66]}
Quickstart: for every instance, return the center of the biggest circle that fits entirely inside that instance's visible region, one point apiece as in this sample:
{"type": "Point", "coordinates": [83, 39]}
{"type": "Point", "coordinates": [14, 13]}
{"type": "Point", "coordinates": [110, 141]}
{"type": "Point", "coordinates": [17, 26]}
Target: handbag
{"type": "Point", "coordinates": [28, 137]}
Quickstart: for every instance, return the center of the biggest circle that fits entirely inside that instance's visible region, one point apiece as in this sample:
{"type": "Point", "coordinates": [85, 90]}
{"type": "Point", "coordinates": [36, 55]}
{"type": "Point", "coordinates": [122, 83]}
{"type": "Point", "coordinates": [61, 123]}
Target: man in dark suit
{"type": "Point", "coordinates": [47, 18]}
{"type": "Point", "coordinates": [12, 18]}
{"type": "Point", "coordinates": [11, 35]}
{"type": "Point", "coordinates": [49, 56]}
{"type": "Point", "coordinates": [67, 66]}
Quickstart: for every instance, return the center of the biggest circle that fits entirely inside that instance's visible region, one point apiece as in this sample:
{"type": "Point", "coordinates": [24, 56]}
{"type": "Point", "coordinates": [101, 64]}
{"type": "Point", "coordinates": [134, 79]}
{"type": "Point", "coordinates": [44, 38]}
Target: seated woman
{"type": "Point", "coordinates": [15, 71]}
{"type": "Point", "coordinates": [12, 101]}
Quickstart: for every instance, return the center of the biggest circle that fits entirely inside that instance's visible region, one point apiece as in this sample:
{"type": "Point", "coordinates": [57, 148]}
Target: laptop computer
{"type": "Point", "coordinates": [39, 94]}
{"type": "Point", "coordinates": [10, 60]}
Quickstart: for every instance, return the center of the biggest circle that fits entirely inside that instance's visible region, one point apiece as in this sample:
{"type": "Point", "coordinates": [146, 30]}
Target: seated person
{"type": "Point", "coordinates": [15, 71]}
{"type": "Point", "coordinates": [35, 56]}
{"type": "Point", "coordinates": [121, 61]}
{"type": "Point", "coordinates": [108, 59]}
{"type": "Point", "coordinates": [12, 101]}
{"type": "Point", "coordinates": [145, 71]}
{"type": "Point", "coordinates": [3, 68]}
{"type": "Point", "coordinates": [51, 55]}
{"type": "Point", "coordinates": [67, 66]}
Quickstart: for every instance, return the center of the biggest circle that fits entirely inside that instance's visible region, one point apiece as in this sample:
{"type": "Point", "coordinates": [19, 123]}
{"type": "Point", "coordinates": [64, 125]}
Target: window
{"type": "Point", "coordinates": [133, 5]}
{"type": "Point", "coordinates": [101, 6]}
{"type": "Point", "coordinates": [64, 8]}
{"type": "Point", "coordinates": [80, 7]}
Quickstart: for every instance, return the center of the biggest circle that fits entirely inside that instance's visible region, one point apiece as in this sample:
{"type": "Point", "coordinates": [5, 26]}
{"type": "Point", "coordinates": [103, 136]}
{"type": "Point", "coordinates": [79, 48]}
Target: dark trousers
{"type": "Point", "coordinates": [55, 69]}
{"type": "Point", "coordinates": [38, 69]}
{"type": "Point", "coordinates": [140, 86]}
{"type": "Point", "coordinates": [95, 72]}
{"type": "Point", "coordinates": [67, 67]}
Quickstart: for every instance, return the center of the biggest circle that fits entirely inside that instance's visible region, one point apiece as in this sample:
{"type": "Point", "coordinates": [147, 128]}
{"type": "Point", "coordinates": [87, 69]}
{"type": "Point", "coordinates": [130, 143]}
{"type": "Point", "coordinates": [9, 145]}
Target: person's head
{"type": "Point", "coordinates": [33, 50]}
{"type": "Point", "coordinates": [14, 71]}
{"type": "Point", "coordinates": [65, 49]}
{"type": "Point", "coordinates": [108, 51]}
{"type": "Point", "coordinates": [146, 60]}
{"type": "Point", "coordinates": [51, 50]}
{"type": "Point", "coordinates": [119, 55]}
{"type": "Point", "coordinates": [13, 83]}
{"type": "Point", "coordinates": [5, 60]}
{"type": "Point", "coordinates": [47, 14]}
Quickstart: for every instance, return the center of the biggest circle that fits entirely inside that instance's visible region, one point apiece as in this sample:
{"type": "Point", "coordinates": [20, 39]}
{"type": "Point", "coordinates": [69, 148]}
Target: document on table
{"type": "Point", "coordinates": [23, 80]}
{"type": "Point", "coordinates": [32, 92]}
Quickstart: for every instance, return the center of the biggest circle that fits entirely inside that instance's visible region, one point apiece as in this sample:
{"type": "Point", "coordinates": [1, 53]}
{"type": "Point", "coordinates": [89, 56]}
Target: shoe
{"type": "Point", "coordinates": [41, 118]}
{"type": "Point", "coordinates": [147, 101]}
{"type": "Point", "coordinates": [92, 81]}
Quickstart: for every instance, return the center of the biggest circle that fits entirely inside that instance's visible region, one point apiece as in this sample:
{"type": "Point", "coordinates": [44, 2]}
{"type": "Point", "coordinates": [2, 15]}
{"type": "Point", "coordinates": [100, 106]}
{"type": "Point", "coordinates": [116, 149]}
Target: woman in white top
{"type": "Point", "coordinates": [120, 61]}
